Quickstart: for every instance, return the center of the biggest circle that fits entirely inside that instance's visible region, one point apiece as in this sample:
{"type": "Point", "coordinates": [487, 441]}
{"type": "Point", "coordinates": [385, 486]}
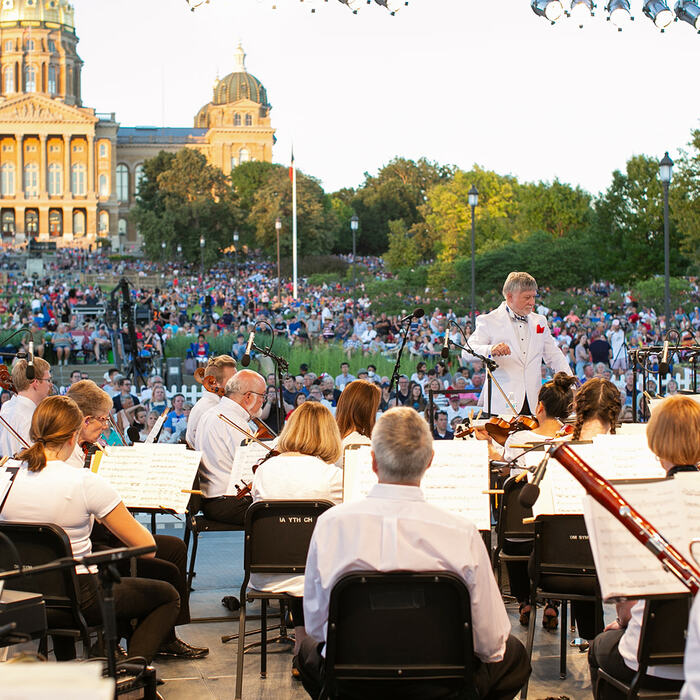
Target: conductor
{"type": "Point", "coordinates": [519, 340]}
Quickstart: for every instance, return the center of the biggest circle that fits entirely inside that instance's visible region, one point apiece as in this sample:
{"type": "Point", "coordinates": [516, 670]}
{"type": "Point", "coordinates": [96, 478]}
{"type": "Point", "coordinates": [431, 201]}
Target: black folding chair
{"type": "Point", "coordinates": [389, 633]}
{"type": "Point", "coordinates": [277, 537]}
{"type": "Point", "coordinates": [661, 642]}
{"type": "Point", "coordinates": [510, 525]}
{"type": "Point", "coordinates": [562, 568]}
{"type": "Point", "coordinates": [41, 543]}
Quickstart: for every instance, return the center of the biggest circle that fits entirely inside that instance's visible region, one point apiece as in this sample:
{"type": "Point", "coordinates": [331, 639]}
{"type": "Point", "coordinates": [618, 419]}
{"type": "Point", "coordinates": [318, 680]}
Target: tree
{"type": "Point", "coordinates": [316, 217]}
{"type": "Point", "coordinates": [403, 250]}
{"type": "Point", "coordinates": [685, 199]}
{"type": "Point", "coordinates": [181, 199]}
{"type": "Point", "coordinates": [395, 193]}
{"type": "Point", "coordinates": [630, 225]}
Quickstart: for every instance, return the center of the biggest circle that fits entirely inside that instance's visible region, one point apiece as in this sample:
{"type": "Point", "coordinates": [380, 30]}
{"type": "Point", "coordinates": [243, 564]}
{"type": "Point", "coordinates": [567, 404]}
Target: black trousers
{"type": "Point", "coordinates": [605, 654]}
{"type": "Point", "coordinates": [518, 576]}
{"type": "Point", "coordinates": [497, 681]}
{"type": "Point", "coordinates": [226, 509]}
{"type": "Point", "coordinates": [154, 605]}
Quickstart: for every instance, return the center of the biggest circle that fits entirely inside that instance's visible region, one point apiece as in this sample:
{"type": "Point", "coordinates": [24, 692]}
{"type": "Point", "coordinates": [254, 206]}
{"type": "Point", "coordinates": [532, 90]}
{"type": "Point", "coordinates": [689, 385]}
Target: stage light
{"type": "Point", "coordinates": [619, 13]}
{"type": "Point", "coordinates": [581, 11]}
{"type": "Point", "coordinates": [688, 11]}
{"type": "Point", "coordinates": [549, 9]}
{"type": "Point", "coordinates": [657, 11]}
{"type": "Point", "coordinates": [354, 5]}
{"type": "Point", "coordinates": [392, 5]}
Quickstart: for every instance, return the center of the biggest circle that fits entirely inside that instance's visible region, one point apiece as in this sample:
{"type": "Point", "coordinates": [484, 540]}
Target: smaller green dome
{"type": "Point", "coordinates": [240, 85]}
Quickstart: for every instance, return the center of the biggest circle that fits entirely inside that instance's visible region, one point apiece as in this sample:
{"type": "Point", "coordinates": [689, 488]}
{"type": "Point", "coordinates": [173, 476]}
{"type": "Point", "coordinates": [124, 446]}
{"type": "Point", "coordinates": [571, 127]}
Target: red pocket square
{"type": "Point", "coordinates": [540, 329]}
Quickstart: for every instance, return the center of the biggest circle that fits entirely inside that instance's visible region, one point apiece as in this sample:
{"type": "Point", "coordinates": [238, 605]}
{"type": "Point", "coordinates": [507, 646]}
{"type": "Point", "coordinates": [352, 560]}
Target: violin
{"type": "Point", "coordinates": [6, 380]}
{"type": "Point", "coordinates": [500, 428]}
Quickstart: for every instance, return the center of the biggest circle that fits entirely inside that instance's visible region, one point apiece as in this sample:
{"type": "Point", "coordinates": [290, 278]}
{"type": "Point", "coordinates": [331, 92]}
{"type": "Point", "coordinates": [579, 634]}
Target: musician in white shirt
{"type": "Point", "coordinates": [519, 340]}
{"type": "Point", "coordinates": [222, 368]}
{"type": "Point", "coordinates": [218, 442]}
{"type": "Point", "coordinates": [18, 411]}
{"type": "Point", "coordinates": [395, 529]}
{"type": "Point", "coordinates": [691, 661]}
{"type": "Point", "coordinates": [356, 413]}
{"type": "Point", "coordinates": [305, 469]}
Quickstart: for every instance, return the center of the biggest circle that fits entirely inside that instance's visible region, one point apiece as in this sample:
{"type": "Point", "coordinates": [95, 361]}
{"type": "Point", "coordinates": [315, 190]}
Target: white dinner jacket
{"type": "Point", "coordinates": [516, 374]}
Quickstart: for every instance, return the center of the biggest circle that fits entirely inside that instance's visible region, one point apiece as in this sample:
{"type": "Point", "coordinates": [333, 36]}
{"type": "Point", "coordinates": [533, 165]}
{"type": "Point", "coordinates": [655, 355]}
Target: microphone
{"type": "Point", "coordinates": [245, 360]}
{"type": "Point", "coordinates": [31, 374]}
{"type": "Point", "coordinates": [445, 352]}
{"type": "Point", "coordinates": [531, 491]}
{"type": "Point", "coordinates": [418, 313]}
{"type": "Point", "coordinates": [663, 363]}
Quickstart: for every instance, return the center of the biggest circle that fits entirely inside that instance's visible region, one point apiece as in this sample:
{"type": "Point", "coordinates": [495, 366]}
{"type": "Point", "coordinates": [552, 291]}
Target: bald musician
{"type": "Point", "coordinates": [218, 442]}
{"type": "Point", "coordinates": [222, 368]}
{"type": "Point", "coordinates": [519, 340]}
{"type": "Point", "coordinates": [18, 411]}
{"type": "Point", "coordinates": [395, 529]}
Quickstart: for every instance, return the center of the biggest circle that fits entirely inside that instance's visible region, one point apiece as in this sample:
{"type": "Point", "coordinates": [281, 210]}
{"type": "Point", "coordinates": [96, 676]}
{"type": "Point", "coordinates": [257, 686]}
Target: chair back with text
{"type": "Point", "coordinates": [512, 514]}
{"type": "Point", "coordinates": [388, 628]}
{"type": "Point", "coordinates": [664, 628]}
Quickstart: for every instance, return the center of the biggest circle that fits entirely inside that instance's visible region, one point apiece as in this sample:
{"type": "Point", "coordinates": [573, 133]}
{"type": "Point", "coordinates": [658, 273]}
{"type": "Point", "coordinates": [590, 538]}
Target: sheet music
{"type": "Point", "coordinates": [625, 567]}
{"type": "Point", "coordinates": [243, 461]}
{"type": "Point", "coordinates": [156, 428]}
{"type": "Point", "coordinates": [151, 476]}
{"type": "Point", "coordinates": [6, 476]}
{"type": "Point", "coordinates": [455, 481]}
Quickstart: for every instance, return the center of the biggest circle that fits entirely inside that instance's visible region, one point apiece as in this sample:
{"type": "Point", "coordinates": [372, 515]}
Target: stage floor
{"type": "Point", "coordinates": [219, 573]}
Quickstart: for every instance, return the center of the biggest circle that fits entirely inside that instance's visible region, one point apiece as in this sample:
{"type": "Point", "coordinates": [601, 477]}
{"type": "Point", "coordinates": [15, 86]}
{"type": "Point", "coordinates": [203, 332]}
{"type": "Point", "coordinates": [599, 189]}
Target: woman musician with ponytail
{"type": "Point", "coordinates": [48, 489]}
{"type": "Point", "coordinates": [673, 435]}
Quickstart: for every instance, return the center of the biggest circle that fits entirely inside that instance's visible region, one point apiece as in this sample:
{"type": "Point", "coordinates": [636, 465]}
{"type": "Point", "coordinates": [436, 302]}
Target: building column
{"type": "Point", "coordinates": [19, 190]}
{"type": "Point", "coordinates": [43, 166]}
{"type": "Point", "coordinates": [91, 165]}
{"type": "Point", "coordinates": [67, 194]}
{"type": "Point", "coordinates": [67, 223]}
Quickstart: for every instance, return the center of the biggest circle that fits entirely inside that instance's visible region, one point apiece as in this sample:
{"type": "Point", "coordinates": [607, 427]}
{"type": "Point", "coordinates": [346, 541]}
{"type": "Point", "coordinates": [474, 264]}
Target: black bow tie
{"type": "Point", "coordinates": [518, 317]}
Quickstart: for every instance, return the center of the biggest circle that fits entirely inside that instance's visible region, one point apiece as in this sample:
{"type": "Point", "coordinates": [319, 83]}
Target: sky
{"type": "Point", "coordinates": [459, 82]}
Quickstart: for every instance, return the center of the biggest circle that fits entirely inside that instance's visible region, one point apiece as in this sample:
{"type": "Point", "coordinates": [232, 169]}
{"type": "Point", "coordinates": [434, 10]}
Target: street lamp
{"type": "Point", "coordinates": [179, 250]}
{"type": "Point", "coordinates": [202, 243]}
{"type": "Point", "coordinates": [354, 225]}
{"type": "Point", "coordinates": [278, 228]}
{"type": "Point", "coordinates": [473, 198]}
{"type": "Point", "coordinates": [235, 252]}
{"type": "Point", "coordinates": [665, 168]}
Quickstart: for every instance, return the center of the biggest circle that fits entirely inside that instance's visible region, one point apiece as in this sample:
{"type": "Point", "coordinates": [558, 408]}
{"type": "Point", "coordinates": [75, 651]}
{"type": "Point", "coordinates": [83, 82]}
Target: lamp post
{"type": "Point", "coordinates": [278, 228]}
{"type": "Point", "coordinates": [354, 225]}
{"type": "Point", "coordinates": [235, 253]}
{"type": "Point", "coordinates": [665, 168]}
{"type": "Point", "coordinates": [202, 243]}
{"type": "Point", "coordinates": [162, 247]}
{"type": "Point", "coordinates": [473, 198]}
{"type": "Point", "coordinates": [179, 251]}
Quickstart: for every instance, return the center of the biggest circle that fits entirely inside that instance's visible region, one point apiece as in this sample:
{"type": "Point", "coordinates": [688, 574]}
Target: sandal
{"type": "Point", "coordinates": [550, 618]}
{"type": "Point", "coordinates": [296, 675]}
{"type": "Point", "coordinates": [524, 610]}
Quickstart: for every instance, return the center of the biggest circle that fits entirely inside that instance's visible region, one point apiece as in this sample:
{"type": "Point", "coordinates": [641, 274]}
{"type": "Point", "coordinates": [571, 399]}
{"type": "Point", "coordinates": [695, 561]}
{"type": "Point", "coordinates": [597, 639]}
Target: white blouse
{"type": "Point", "coordinates": [353, 438]}
{"type": "Point", "coordinates": [293, 477]}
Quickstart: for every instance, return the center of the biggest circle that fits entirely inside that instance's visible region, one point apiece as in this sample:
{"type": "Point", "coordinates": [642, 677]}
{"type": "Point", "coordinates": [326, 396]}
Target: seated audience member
{"type": "Point", "coordinates": [218, 442]}
{"type": "Point", "coordinates": [137, 432]}
{"type": "Point", "coordinates": [416, 400]}
{"type": "Point", "coordinates": [423, 538]}
{"type": "Point", "coordinates": [62, 342]}
{"type": "Point", "coordinates": [159, 400]}
{"type": "Point", "coordinates": [48, 489]}
{"type": "Point", "coordinates": [356, 413]}
{"type": "Point", "coordinates": [305, 469]}
{"type": "Point", "coordinates": [200, 350]}
{"type": "Point", "coordinates": [672, 434]}
{"type": "Point", "coordinates": [18, 411]}
{"type": "Point", "coordinates": [124, 392]}
{"type": "Point", "coordinates": [441, 430]}
{"type": "Point", "coordinates": [176, 420]}
{"type": "Point", "coordinates": [170, 562]}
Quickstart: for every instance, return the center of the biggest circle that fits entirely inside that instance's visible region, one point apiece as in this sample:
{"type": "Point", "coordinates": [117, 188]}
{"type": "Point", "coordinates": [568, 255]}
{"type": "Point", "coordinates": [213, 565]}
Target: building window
{"type": "Point", "coordinates": [9, 45]}
{"type": "Point", "coordinates": [52, 46]}
{"type": "Point", "coordinates": [122, 183]}
{"type": "Point", "coordinates": [31, 180]}
{"type": "Point", "coordinates": [138, 176]}
{"type": "Point", "coordinates": [52, 80]}
{"type": "Point", "coordinates": [31, 223]}
{"type": "Point", "coordinates": [7, 180]}
{"type": "Point", "coordinates": [122, 228]}
{"type": "Point", "coordinates": [78, 223]}
{"type": "Point", "coordinates": [249, 120]}
{"type": "Point", "coordinates": [8, 223]}
{"type": "Point", "coordinates": [69, 80]}
{"type": "Point", "coordinates": [29, 79]}
{"type": "Point", "coordinates": [104, 223]}
{"type": "Point", "coordinates": [55, 223]}
{"type": "Point", "coordinates": [243, 155]}
{"type": "Point", "coordinates": [234, 162]}
{"type": "Point", "coordinates": [55, 180]}
{"type": "Point", "coordinates": [236, 119]}
{"type": "Point", "coordinates": [9, 80]}
{"type": "Point", "coordinates": [103, 185]}
{"type": "Point", "coordinates": [103, 150]}
{"type": "Point", "coordinates": [77, 183]}
{"type": "Point", "coordinates": [30, 44]}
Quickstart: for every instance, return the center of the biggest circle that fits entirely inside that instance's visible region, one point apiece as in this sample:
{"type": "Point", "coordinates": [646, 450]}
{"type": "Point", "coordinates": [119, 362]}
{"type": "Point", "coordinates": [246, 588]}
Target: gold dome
{"type": "Point", "coordinates": [49, 12]}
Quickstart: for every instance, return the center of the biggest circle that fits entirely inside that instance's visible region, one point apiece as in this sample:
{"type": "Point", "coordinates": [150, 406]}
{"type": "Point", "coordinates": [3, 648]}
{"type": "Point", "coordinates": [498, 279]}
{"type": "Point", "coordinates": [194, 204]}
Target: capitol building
{"type": "Point", "coordinates": [70, 174]}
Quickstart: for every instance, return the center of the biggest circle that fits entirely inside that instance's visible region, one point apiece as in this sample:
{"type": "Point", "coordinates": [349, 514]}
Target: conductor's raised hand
{"type": "Point", "coordinates": [500, 349]}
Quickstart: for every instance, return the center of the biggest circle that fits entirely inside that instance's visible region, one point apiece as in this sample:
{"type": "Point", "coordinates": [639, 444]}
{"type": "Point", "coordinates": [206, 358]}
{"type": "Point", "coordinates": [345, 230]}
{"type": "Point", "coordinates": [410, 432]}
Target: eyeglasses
{"type": "Point", "coordinates": [44, 379]}
{"type": "Point", "coordinates": [99, 419]}
{"type": "Point", "coordinates": [257, 393]}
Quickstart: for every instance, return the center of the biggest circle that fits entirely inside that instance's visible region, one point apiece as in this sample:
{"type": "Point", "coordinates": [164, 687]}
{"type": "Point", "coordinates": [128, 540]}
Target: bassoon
{"type": "Point", "coordinates": [608, 497]}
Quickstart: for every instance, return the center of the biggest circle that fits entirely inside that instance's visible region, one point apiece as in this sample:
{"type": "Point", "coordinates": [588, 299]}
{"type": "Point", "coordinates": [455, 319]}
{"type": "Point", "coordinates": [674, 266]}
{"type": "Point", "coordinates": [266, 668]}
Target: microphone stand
{"type": "Point", "coordinates": [281, 367]}
{"type": "Point", "coordinates": [397, 364]}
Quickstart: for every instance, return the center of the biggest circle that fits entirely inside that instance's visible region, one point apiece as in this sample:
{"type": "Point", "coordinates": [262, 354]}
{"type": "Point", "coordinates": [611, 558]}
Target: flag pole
{"type": "Point", "coordinates": [294, 226]}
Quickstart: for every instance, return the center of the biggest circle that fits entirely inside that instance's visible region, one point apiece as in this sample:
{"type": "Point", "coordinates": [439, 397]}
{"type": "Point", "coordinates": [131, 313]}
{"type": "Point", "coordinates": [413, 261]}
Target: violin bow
{"type": "Point", "coordinates": [14, 432]}
{"type": "Point", "coordinates": [250, 436]}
